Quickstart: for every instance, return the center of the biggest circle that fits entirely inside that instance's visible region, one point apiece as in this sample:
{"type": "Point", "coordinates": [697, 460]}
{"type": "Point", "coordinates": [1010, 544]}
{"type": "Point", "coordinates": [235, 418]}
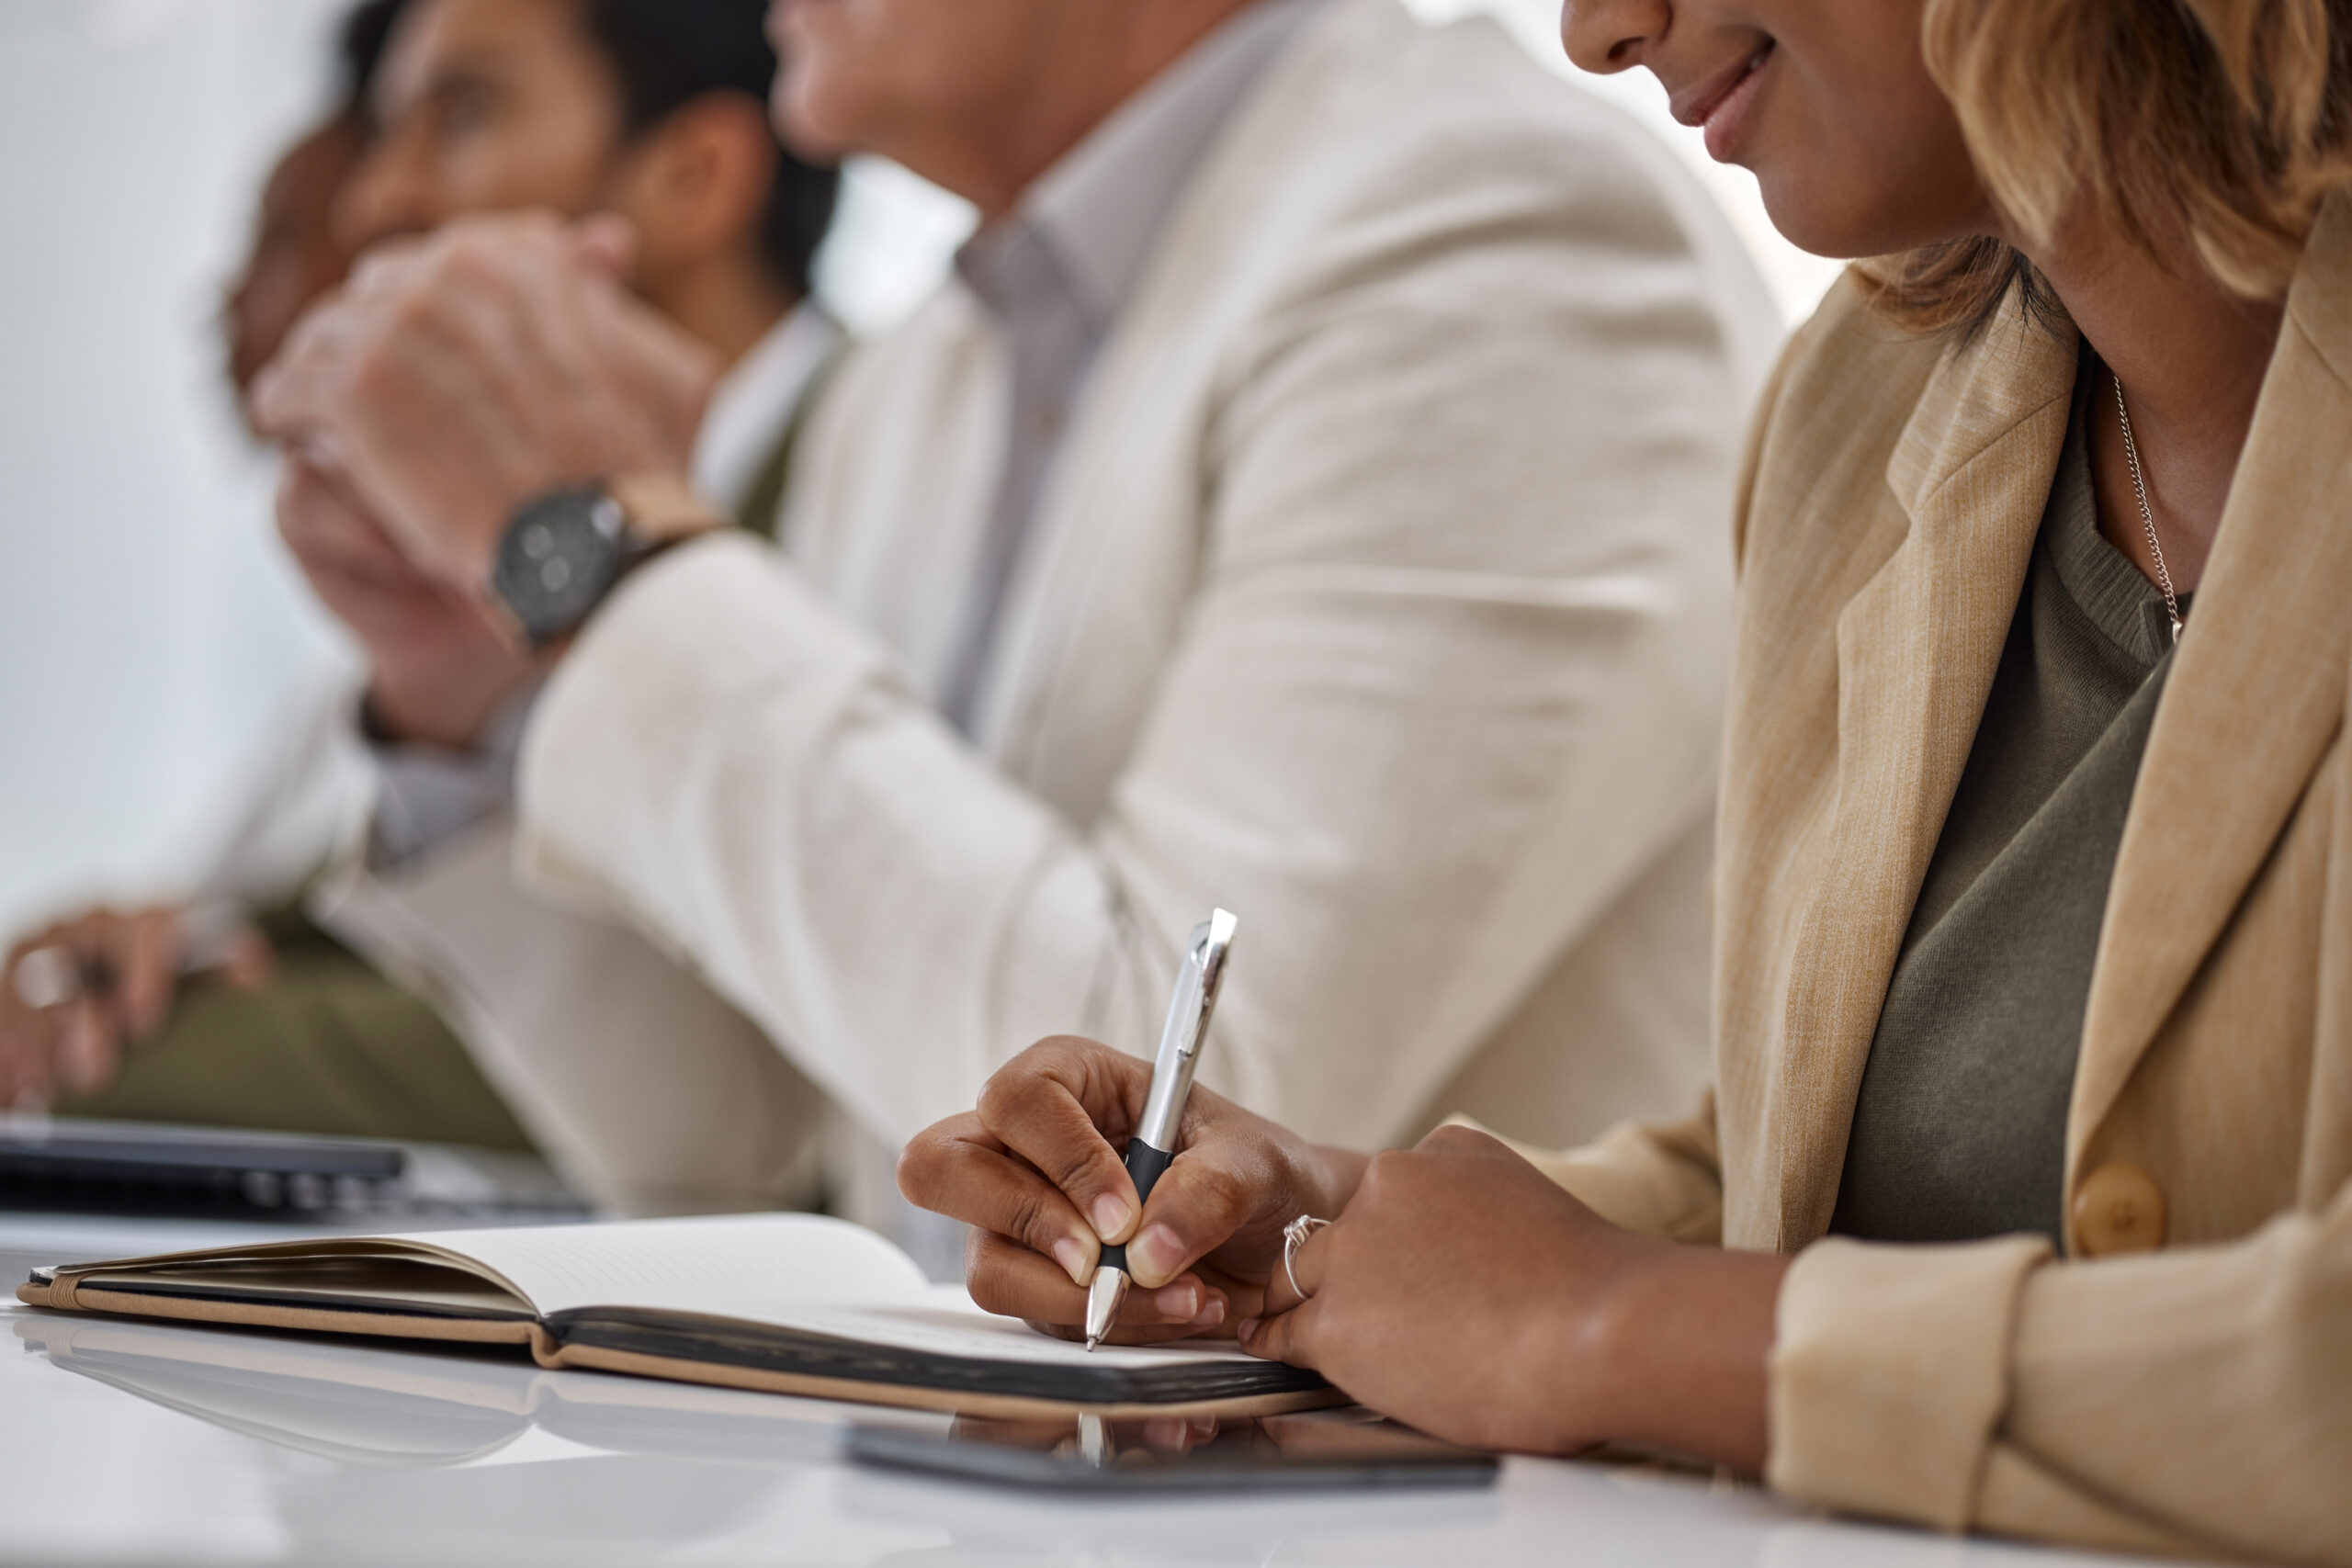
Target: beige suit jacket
{"type": "Point", "coordinates": [2182, 1378]}
{"type": "Point", "coordinates": [1380, 596]}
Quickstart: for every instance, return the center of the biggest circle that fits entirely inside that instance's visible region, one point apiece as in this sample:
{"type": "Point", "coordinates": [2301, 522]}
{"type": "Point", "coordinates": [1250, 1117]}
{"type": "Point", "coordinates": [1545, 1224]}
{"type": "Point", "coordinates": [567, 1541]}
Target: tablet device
{"type": "Point", "coordinates": [1348, 1448]}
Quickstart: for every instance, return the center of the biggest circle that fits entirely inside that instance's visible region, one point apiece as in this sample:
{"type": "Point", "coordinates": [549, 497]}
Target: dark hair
{"type": "Point", "coordinates": [359, 49]}
{"type": "Point", "coordinates": [670, 52]}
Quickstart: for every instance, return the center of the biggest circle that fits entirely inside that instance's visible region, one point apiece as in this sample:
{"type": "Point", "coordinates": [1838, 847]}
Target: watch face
{"type": "Point", "coordinates": [557, 559]}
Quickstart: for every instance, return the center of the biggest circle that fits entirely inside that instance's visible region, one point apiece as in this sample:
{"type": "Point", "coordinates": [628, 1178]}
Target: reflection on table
{"type": "Point", "coordinates": [124, 1442]}
{"type": "Point", "coordinates": [134, 1442]}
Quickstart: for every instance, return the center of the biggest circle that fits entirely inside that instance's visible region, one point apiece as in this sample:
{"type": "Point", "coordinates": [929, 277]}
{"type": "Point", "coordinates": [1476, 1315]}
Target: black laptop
{"type": "Point", "coordinates": [66, 1164]}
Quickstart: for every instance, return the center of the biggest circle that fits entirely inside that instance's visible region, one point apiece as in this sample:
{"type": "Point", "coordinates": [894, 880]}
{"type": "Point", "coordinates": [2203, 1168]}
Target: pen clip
{"type": "Point", "coordinates": [1196, 987]}
{"type": "Point", "coordinates": [1188, 1025]}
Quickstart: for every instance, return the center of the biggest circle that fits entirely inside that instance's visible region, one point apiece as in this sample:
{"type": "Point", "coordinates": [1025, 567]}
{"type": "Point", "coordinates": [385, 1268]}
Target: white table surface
{"type": "Point", "coordinates": [128, 1443]}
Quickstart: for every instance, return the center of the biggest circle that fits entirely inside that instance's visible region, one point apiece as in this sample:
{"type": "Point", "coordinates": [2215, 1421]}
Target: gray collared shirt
{"type": "Point", "coordinates": [1057, 271]}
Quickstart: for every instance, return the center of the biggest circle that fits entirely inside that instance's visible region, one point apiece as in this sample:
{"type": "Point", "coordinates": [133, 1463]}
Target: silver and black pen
{"type": "Point", "coordinates": [1153, 1144]}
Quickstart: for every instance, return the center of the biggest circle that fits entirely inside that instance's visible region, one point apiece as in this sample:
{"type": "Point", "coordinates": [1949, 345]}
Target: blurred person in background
{"type": "Point", "coordinates": [297, 252]}
{"type": "Point", "coordinates": [84, 987]}
{"type": "Point", "coordinates": [653, 111]}
{"type": "Point", "coordinates": [1305, 497]}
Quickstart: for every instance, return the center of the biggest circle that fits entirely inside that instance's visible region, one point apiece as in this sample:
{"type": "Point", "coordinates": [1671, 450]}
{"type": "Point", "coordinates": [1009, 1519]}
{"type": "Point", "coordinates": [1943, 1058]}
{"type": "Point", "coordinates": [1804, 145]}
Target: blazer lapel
{"type": "Point", "coordinates": [2255, 695]}
{"type": "Point", "coordinates": [1916, 652]}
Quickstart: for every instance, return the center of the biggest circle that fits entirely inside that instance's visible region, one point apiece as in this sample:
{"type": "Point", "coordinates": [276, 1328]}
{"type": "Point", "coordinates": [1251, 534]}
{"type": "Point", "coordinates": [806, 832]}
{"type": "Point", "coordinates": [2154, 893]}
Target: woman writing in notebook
{"type": "Point", "coordinates": [2023, 1201]}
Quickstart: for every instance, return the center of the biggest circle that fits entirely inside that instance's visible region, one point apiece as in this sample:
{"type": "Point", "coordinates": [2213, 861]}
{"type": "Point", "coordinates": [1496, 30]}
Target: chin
{"type": "Point", "coordinates": [1812, 232]}
{"type": "Point", "coordinates": [807, 120]}
{"type": "Point", "coordinates": [1846, 205]}
{"type": "Point", "coordinates": [1839, 230]}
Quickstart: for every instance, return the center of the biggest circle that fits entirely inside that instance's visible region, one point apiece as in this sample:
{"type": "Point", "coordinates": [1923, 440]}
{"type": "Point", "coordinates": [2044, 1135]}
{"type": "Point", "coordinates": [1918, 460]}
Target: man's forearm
{"type": "Point", "coordinates": [451, 714]}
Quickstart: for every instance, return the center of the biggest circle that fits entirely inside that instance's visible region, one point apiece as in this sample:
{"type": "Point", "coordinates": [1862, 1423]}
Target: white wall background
{"type": "Point", "coordinates": [148, 633]}
{"type": "Point", "coordinates": [152, 640]}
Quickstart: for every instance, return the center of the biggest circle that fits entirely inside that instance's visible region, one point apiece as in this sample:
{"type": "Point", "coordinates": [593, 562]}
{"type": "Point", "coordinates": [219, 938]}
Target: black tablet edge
{"type": "Point", "coordinates": [929, 1453]}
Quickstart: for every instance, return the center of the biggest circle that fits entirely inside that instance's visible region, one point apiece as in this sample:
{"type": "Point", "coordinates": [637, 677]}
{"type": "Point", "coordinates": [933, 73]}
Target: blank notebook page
{"type": "Point", "coordinates": [693, 1265]}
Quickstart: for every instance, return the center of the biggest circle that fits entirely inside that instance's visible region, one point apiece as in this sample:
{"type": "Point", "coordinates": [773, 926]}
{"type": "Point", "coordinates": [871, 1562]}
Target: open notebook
{"type": "Point", "coordinates": [791, 1303]}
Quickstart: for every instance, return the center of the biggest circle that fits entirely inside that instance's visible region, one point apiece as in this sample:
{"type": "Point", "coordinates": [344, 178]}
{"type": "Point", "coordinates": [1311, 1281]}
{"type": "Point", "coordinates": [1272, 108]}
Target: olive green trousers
{"type": "Point", "coordinates": [329, 1045]}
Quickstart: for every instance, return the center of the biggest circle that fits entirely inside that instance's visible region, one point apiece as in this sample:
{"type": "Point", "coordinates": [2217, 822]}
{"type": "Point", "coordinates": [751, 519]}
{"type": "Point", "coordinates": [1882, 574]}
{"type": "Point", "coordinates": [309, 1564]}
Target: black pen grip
{"type": "Point", "coordinates": [1144, 1167]}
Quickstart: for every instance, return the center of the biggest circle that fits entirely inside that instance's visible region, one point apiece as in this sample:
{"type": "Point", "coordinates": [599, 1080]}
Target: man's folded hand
{"type": "Point", "coordinates": [458, 375]}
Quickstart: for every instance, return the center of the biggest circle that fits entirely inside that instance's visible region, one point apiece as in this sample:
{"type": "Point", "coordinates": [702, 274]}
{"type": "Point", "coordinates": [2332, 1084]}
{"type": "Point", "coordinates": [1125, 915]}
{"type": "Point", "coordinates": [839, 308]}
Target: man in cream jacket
{"type": "Point", "coordinates": [1308, 497]}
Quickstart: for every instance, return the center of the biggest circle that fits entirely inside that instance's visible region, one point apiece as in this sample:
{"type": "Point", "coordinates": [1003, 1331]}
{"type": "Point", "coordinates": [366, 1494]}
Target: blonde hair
{"type": "Point", "coordinates": [2226, 121]}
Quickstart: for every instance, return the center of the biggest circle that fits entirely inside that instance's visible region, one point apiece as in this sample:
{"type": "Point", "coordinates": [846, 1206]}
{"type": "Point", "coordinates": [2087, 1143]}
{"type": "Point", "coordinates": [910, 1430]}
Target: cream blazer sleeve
{"type": "Point", "coordinates": [1459, 560]}
{"type": "Point", "coordinates": [649, 1092]}
{"type": "Point", "coordinates": [1665, 1177]}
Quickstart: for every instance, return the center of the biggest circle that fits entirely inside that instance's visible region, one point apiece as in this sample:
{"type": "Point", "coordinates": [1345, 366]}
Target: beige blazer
{"type": "Point", "coordinates": [2182, 1377]}
{"type": "Point", "coordinates": [1380, 596]}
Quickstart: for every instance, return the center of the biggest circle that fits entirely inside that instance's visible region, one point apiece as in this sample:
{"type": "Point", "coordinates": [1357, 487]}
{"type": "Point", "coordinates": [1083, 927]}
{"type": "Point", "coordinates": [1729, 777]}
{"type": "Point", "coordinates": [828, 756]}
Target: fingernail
{"type": "Point", "coordinates": [1156, 1252]}
{"type": "Point", "coordinates": [1071, 1256]}
{"type": "Point", "coordinates": [1110, 1215]}
{"type": "Point", "coordinates": [1178, 1303]}
{"type": "Point", "coordinates": [1212, 1312]}
{"type": "Point", "coordinates": [1247, 1329]}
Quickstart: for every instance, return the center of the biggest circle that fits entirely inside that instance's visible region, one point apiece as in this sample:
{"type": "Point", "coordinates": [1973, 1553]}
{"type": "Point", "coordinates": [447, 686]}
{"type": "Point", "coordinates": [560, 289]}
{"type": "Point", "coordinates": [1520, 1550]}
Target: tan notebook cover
{"type": "Point", "coordinates": [786, 1303]}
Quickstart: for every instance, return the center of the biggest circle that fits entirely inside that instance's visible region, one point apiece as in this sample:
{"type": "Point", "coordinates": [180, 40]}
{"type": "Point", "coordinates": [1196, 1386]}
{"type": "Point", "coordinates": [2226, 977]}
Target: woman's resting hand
{"type": "Point", "coordinates": [1464, 1292]}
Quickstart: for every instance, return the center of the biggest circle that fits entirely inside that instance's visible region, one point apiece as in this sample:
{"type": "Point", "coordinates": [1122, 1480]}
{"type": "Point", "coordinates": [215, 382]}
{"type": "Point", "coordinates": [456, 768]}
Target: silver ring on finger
{"type": "Point", "coordinates": [1294, 1235]}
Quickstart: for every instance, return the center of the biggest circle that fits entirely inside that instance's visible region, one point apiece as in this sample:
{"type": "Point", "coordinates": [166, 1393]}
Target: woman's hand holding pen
{"type": "Point", "coordinates": [1036, 1172]}
{"type": "Point", "coordinates": [1457, 1288]}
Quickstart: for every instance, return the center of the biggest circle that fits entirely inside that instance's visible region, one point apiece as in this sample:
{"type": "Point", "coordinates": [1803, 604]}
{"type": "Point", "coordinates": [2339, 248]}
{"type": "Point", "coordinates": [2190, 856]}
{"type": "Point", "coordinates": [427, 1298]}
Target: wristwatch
{"type": "Point", "coordinates": [563, 551]}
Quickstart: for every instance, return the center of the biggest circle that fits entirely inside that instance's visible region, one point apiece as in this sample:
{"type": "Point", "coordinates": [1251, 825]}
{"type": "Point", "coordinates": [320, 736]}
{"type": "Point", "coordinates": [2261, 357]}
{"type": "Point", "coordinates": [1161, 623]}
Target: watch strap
{"type": "Point", "coordinates": [564, 551]}
{"type": "Point", "coordinates": [664, 508]}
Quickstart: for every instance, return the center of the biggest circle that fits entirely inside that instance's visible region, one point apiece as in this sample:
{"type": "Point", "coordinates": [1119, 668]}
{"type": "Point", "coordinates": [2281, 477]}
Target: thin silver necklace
{"type": "Point", "coordinates": [2147, 517]}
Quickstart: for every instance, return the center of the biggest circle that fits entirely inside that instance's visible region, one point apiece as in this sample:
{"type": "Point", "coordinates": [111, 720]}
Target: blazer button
{"type": "Point", "coordinates": [2118, 1208]}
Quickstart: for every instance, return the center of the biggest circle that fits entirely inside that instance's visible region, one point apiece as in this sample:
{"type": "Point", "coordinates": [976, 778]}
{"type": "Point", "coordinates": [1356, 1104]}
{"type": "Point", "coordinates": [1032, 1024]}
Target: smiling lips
{"type": "Point", "coordinates": [1720, 103]}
